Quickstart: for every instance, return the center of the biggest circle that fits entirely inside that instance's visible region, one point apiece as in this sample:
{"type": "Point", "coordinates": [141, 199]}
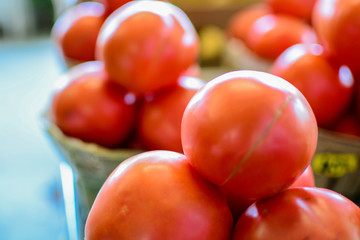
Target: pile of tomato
{"type": "Point", "coordinates": [312, 45]}
{"type": "Point", "coordinates": [134, 73]}
{"type": "Point", "coordinates": [227, 159]}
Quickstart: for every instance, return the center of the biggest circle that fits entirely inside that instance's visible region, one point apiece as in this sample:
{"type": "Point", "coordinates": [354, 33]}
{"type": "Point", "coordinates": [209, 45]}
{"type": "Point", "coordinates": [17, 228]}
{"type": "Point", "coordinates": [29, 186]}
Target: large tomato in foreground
{"type": "Point", "coordinates": [328, 86]}
{"type": "Point", "coordinates": [90, 107]}
{"type": "Point", "coordinates": [250, 132]}
{"type": "Point", "coordinates": [157, 195]}
{"type": "Point", "coordinates": [160, 116]}
{"type": "Point", "coordinates": [300, 213]}
{"type": "Point", "coordinates": [75, 32]}
{"type": "Point", "coordinates": [338, 26]}
{"type": "Point", "coordinates": [146, 45]}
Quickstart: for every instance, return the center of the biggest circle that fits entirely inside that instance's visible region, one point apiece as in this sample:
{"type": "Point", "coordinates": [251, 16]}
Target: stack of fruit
{"type": "Point", "coordinates": [135, 71]}
{"type": "Point", "coordinates": [235, 153]}
{"type": "Point", "coordinates": [247, 137]}
{"type": "Point", "coordinates": [311, 44]}
{"type": "Point", "coordinates": [321, 58]}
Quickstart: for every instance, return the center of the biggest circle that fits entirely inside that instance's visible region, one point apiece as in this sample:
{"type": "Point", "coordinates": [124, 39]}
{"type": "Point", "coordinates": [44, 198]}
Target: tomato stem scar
{"type": "Point", "coordinates": [261, 137]}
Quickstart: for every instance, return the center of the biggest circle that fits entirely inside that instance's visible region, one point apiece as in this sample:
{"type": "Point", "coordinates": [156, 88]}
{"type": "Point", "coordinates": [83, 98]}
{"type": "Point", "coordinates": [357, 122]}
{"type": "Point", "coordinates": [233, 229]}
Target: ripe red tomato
{"type": "Point", "coordinates": [76, 31]}
{"type": "Point", "coordinates": [157, 195]}
{"type": "Point", "coordinates": [298, 8]}
{"type": "Point", "coordinates": [329, 87]}
{"type": "Point", "coordinates": [269, 35]}
{"type": "Point", "coordinates": [160, 117]}
{"type": "Point", "coordinates": [112, 5]}
{"type": "Point", "coordinates": [348, 124]}
{"type": "Point", "coordinates": [90, 107]}
{"type": "Point", "coordinates": [300, 213]}
{"type": "Point", "coordinates": [306, 179]}
{"type": "Point", "coordinates": [193, 71]}
{"type": "Point", "coordinates": [251, 133]}
{"type": "Point", "coordinates": [146, 45]}
{"type": "Point", "coordinates": [240, 23]}
{"type": "Point", "coordinates": [338, 26]}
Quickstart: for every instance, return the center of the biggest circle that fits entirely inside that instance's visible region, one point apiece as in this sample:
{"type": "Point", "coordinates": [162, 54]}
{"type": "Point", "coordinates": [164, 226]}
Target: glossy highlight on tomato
{"type": "Point", "coordinates": [328, 86]}
{"type": "Point", "coordinates": [240, 23]}
{"type": "Point", "coordinates": [88, 106]}
{"type": "Point", "coordinates": [146, 45]}
{"type": "Point", "coordinates": [272, 34]}
{"type": "Point", "coordinates": [158, 195]}
{"type": "Point", "coordinates": [250, 132]}
{"type": "Point", "coordinates": [337, 24]}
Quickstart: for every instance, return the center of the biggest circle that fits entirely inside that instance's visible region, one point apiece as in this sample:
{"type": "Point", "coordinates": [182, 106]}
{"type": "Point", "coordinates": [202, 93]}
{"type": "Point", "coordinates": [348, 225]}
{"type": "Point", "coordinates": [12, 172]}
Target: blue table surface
{"type": "Point", "coordinates": [31, 200]}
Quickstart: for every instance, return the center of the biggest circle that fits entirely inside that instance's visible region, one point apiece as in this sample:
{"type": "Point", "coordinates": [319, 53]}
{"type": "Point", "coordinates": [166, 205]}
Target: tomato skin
{"type": "Point", "coordinates": [157, 195]}
{"type": "Point", "coordinates": [338, 24]}
{"type": "Point", "coordinates": [240, 23]}
{"type": "Point", "coordinates": [306, 179]}
{"type": "Point", "coordinates": [160, 117]}
{"type": "Point", "coordinates": [146, 61]}
{"type": "Point", "coordinates": [299, 8]}
{"type": "Point", "coordinates": [238, 204]}
{"type": "Point", "coordinates": [90, 107]}
{"type": "Point", "coordinates": [246, 149]}
{"type": "Point", "coordinates": [269, 35]}
{"type": "Point", "coordinates": [75, 32]}
{"type": "Point", "coordinates": [300, 213]}
{"type": "Point", "coordinates": [328, 86]}
{"type": "Point", "coordinates": [112, 5]}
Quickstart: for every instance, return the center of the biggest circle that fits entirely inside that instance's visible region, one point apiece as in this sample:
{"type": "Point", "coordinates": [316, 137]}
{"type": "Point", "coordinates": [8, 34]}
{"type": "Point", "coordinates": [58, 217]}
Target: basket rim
{"type": "Point", "coordinates": [72, 143]}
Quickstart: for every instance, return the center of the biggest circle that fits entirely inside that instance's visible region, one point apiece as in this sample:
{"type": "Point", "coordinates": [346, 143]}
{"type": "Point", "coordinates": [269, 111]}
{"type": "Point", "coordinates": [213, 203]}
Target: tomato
{"type": "Point", "coordinates": [239, 204]}
{"type": "Point", "coordinates": [300, 213]}
{"type": "Point", "coordinates": [88, 106]}
{"type": "Point", "coordinates": [240, 23]}
{"type": "Point", "coordinates": [306, 179]}
{"type": "Point", "coordinates": [250, 132]}
{"type": "Point", "coordinates": [160, 117]}
{"type": "Point", "coordinates": [338, 24]}
{"type": "Point", "coordinates": [193, 71]}
{"type": "Point", "coordinates": [147, 60]}
{"type": "Point", "coordinates": [157, 195]}
{"type": "Point", "coordinates": [269, 35]}
{"type": "Point", "coordinates": [76, 31]}
{"type": "Point", "coordinates": [348, 124]}
{"type": "Point", "coordinates": [328, 86]}
{"type": "Point", "coordinates": [112, 5]}
{"type": "Point", "coordinates": [299, 8]}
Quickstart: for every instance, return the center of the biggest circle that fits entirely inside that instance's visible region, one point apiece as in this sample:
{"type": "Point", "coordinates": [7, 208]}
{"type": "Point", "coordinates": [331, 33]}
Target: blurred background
{"type": "Point", "coordinates": [31, 203]}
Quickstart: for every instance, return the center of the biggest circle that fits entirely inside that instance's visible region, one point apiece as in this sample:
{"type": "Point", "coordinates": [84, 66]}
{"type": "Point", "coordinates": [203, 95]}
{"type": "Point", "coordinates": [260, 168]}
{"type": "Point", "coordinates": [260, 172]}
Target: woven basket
{"type": "Point", "coordinates": [91, 163]}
